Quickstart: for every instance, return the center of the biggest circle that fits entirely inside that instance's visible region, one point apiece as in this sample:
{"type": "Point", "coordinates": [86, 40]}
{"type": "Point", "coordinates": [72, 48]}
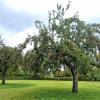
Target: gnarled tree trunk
{"type": "Point", "coordinates": [75, 82]}
{"type": "Point", "coordinates": [74, 72]}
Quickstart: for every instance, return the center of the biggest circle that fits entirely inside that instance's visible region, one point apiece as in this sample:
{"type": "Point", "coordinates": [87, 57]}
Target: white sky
{"type": "Point", "coordinates": [89, 10]}
{"type": "Point", "coordinates": [86, 8]}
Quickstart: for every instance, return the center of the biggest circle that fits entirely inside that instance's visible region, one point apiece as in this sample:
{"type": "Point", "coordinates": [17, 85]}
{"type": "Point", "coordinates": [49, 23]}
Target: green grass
{"type": "Point", "coordinates": [48, 90]}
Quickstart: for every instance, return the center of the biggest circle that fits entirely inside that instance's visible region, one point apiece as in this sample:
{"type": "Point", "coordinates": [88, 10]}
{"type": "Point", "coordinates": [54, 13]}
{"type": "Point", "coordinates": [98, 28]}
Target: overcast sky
{"type": "Point", "coordinates": [17, 17]}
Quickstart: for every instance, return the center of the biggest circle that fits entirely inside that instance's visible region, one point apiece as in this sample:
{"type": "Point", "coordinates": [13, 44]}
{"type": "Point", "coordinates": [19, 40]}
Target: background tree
{"type": "Point", "coordinates": [36, 59]}
{"type": "Point", "coordinates": [9, 59]}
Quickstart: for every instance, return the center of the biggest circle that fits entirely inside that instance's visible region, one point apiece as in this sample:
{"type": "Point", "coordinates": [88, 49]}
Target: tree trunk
{"type": "Point", "coordinates": [75, 80]}
{"type": "Point", "coordinates": [74, 72]}
{"type": "Point", "coordinates": [4, 74]}
{"type": "Point", "coordinates": [75, 83]}
{"type": "Point", "coordinates": [3, 79]}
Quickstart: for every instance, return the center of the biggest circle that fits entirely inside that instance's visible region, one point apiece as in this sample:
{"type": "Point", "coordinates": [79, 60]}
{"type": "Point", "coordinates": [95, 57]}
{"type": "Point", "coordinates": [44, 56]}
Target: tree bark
{"type": "Point", "coordinates": [3, 79]}
{"type": "Point", "coordinates": [4, 70]}
{"type": "Point", "coordinates": [75, 83]}
{"type": "Point", "coordinates": [74, 72]}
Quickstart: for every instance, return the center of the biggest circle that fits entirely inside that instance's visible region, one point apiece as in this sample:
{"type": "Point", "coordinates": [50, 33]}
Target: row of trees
{"type": "Point", "coordinates": [64, 42]}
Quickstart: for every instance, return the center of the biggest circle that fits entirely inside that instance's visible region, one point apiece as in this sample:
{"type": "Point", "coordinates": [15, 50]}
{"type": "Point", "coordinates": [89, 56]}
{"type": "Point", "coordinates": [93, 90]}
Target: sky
{"type": "Point", "coordinates": [17, 17]}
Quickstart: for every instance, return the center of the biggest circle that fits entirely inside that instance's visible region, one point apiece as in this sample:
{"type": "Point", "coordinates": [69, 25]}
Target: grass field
{"type": "Point", "coordinates": [48, 90]}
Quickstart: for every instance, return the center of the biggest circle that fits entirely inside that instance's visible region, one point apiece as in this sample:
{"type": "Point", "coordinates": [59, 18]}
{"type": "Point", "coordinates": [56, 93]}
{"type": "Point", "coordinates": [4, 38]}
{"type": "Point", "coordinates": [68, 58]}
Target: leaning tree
{"type": "Point", "coordinates": [76, 43]}
{"type": "Point", "coordinates": [67, 36]}
{"type": "Point", "coordinates": [65, 41]}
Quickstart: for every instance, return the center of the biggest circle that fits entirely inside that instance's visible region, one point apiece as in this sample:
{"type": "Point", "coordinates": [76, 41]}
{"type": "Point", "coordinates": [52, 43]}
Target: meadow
{"type": "Point", "coordinates": [48, 90]}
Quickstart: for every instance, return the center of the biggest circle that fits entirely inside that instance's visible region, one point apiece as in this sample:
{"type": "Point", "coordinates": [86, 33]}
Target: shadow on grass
{"type": "Point", "coordinates": [59, 94]}
{"type": "Point", "coordinates": [49, 94]}
{"type": "Point", "coordinates": [15, 85]}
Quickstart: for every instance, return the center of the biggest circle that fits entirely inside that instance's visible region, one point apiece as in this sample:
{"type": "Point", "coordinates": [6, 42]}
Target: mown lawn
{"type": "Point", "coordinates": [48, 90]}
